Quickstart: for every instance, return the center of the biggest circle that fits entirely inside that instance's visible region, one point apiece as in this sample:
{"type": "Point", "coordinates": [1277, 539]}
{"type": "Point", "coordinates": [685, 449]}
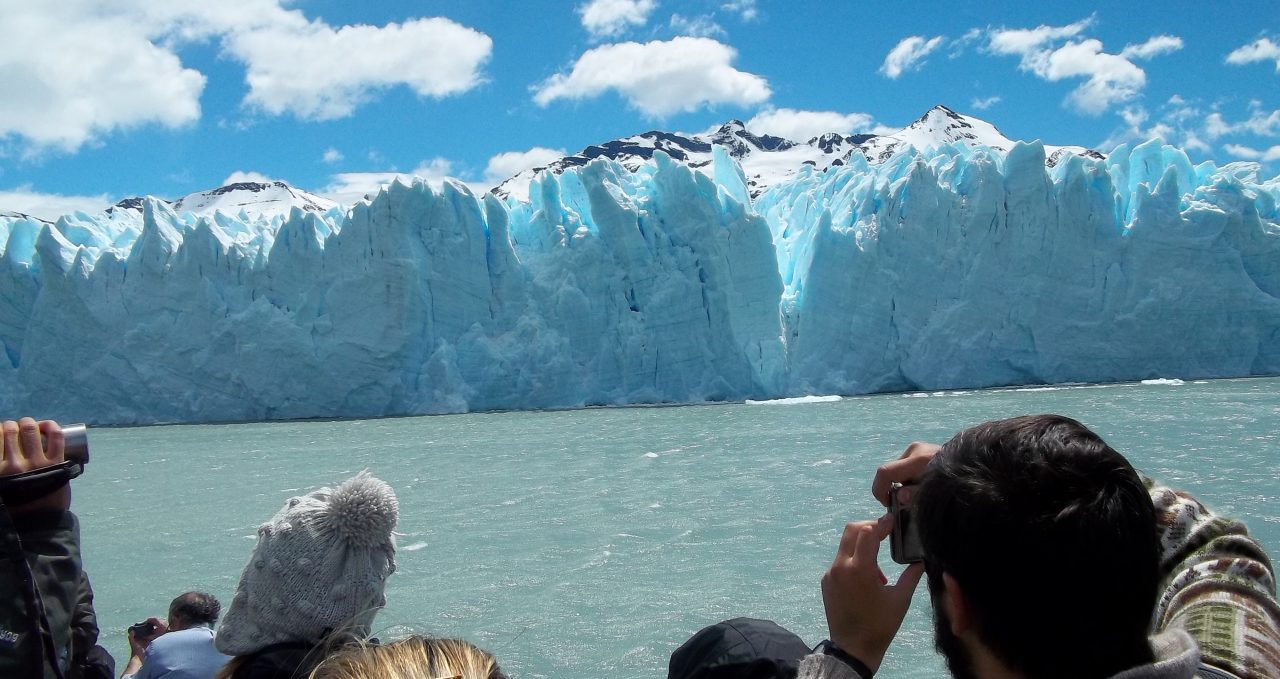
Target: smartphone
{"type": "Point", "coordinates": [904, 542]}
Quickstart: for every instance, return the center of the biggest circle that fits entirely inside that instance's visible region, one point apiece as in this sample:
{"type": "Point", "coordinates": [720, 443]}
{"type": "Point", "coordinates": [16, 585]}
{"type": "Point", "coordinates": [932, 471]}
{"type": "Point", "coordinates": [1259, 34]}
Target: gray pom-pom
{"type": "Point", "coordinates": [363, 511]}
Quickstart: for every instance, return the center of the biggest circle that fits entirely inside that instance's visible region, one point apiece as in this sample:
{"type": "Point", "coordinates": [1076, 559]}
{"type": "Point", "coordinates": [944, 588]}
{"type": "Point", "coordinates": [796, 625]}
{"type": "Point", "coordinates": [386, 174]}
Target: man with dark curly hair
{"type": "Point", "coordinates": [1049, 557]}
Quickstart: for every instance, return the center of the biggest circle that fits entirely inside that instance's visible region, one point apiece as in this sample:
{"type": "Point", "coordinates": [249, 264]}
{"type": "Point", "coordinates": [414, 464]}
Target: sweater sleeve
{"type": "Point", "coordinates": [1217, 584]}
{"type": "Point", "coordinates": [823, 666]}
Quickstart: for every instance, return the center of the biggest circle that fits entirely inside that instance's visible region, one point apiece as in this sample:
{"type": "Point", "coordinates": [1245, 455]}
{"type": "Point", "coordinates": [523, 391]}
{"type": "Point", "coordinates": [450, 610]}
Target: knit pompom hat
{"type": "Point", "coordinates": [320, 566]}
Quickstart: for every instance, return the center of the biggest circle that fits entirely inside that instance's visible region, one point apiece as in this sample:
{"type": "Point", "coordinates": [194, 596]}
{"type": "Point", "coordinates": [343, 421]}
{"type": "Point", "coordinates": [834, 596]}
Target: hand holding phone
{"type": "Point", "coordinates": [904, 541]}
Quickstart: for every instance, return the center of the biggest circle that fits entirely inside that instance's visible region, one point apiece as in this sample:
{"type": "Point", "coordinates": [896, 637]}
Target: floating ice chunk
{"type": "Point", "coordinates": [819, 463]}
{"type": "Point", "coordinates": [651, 455]}
{"type": "Point", "coordinates": [413, 547]}
{"type": "Point", "coordinates": [795, 400]}
{"type": "Point", "coordinates": [1165, 382]}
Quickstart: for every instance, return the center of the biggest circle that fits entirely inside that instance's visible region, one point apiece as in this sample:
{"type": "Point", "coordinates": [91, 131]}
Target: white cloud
{"type": "Point", "coordinates": [1029, 43]}
{"type": "Point", "coordinates": [1260, 123]}
{"type": "Point", "coordinates": [1216, 126]}
{"type": "Point", "coordinates": [608, 18]}
{"type": "Point", "coordinates": [1160, 44]}
{"type": "Point", "coordinates": [908, 55]}
{"type": "Point", "coordinates": [87, 69]}
{"type": "Point", "coordinates": [242, 176]}
{"type": "Point", "coordinates": [1183, 123]}
{"type": "Point", "coordinates": [348, 188]}
{"type": "Point", "coordinates": [1110, 79]}
{"type": "Point", "coordinates": [49, 206]}
{"type": "Point", "coordinates": [658, 78]}
{"type": "Point", "coordinates": [74, 72]}
{"type": "Point", "coordinates": [984, 104]}
{"type": "Point", "coordinates": [1262, 49]}
{"type": "Point", "coordinates": [700, 26]}
{"type": "Point", "coordinates": [805, 125]}
{"type": "Point", "coordinates": [316, 72]}
{"type": "Point", "coordinates": [1249, 153]}
{"type": "Point", "coordinates": [745, 9]}
{"type": "Point", "coordinates": [332, 155]}
{"type": "Point", "coordinates": [505, 165]}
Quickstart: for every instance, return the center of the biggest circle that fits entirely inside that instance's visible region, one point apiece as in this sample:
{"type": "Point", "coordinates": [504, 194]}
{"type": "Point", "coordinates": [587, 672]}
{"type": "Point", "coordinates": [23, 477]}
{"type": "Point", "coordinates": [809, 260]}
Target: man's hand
{"type": "Point", "coordinates": [23, 451]}
{"type": "Point", "coordinates": [908, 468]}
{"type": "Point", "coordinates": [138, 645]}
{"type": "Point", "coordinates": [863, 611]}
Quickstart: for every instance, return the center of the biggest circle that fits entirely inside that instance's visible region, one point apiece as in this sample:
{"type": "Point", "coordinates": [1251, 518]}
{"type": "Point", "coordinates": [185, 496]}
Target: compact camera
{"type": "Point", "coordinates": [142, 630]}
{"type": "Point", "coordinates": [904, 541]}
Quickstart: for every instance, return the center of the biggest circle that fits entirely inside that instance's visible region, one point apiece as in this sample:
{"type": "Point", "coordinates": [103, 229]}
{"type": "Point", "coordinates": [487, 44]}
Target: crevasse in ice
{"type": "Point", "coordinates": [956, 267]}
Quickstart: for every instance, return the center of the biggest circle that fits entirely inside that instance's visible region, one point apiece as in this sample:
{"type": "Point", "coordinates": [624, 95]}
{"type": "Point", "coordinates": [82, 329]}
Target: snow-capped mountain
{"type": "Point", "coordinates": [941, 125]}
{"type": "Point", "coordinates": [767, 160]}
{"type": "Point", "coordinates": [268, 199]}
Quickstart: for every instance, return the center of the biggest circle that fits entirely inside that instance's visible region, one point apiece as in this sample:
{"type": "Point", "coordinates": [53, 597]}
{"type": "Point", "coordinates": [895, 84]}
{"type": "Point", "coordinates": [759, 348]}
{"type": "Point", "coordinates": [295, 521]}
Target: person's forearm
{"type": "Point", "coordinates": [1217, 584]}
{"type": "Point", "coordinates": [132, 667]}
{"type": "Point", "coordinates": [50, 544]}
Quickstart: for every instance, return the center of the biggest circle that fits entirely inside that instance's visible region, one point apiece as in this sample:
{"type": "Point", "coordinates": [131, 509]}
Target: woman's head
{"type": "Point", "coordinates": [413, 658]}
{"type": "Point", "coordinates": [319, 568]}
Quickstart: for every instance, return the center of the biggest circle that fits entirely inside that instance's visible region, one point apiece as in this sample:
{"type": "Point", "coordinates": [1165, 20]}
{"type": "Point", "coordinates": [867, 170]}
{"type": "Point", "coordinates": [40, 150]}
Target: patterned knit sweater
{"type": "Point", "coordinates": [1218, 591]}
{"type": "Point", "coordinates": [1218, 586]}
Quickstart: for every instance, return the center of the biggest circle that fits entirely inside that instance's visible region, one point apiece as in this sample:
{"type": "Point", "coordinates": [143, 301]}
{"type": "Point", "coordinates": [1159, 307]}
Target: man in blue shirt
{"type": "Point", "coordinates": [182, 648]}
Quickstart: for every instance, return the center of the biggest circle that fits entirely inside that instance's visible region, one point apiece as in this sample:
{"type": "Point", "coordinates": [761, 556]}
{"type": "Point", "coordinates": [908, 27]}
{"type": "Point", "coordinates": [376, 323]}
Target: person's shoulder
{"type": "Point", "coordinates": [182, 637]}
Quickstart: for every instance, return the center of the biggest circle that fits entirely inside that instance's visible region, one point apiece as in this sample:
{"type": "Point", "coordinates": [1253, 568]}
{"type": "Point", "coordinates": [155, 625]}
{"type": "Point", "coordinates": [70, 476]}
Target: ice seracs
{"type": "Point", "coordinates": [660, 280]}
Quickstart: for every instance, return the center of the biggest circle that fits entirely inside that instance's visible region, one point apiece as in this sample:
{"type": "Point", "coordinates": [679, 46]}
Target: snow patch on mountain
{"type": "Point", "coordinates": [768, 160]}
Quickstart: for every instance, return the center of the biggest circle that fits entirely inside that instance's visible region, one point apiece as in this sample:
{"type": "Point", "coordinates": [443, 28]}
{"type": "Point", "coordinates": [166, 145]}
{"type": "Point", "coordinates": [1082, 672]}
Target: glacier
{"type": "Point", "coordinates": [959, 265]}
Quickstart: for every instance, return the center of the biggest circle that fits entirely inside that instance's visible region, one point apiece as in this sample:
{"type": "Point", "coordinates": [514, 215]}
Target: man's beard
{"type": "Point", "coordinates": [959, 660]}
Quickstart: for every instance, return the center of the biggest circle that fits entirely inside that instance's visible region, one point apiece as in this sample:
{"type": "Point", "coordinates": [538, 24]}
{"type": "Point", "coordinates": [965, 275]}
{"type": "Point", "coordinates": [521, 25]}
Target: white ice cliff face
{"type": "Point", "coordinates": [969, 268]}
{"type": "Point", "coordinates": [608, 288]}
{"type": "Point", "coordinates": [959, 266]}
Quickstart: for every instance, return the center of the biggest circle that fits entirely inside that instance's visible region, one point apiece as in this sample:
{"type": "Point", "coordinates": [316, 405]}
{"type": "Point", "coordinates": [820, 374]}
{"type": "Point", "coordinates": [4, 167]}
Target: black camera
{"type": "Point", "coordinates": [904, 542]}
{"type": "Point", "coordinates": [142, 630]}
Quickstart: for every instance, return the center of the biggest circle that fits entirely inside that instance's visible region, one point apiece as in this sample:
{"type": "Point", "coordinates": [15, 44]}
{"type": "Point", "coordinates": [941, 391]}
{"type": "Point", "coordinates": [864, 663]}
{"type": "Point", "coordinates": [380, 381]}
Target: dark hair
{"type": "Point", "coordinates": [195, 608]}
{"type": "Point", "coordinates": [1052, 538]}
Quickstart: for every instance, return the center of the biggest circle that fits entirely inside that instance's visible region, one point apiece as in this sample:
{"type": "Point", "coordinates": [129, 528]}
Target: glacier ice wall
{"type": "Point", "coordinates": [968, 268]}
{"type": "Point", "coordinates": [959, 267]}
{"type": "Point", "coordinates": [608, 287]}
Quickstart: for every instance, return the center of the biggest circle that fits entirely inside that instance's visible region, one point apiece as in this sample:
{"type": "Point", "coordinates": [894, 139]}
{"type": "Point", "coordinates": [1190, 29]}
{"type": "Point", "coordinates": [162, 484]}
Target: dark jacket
{"type": "Point", "coordinates": [281, 661]}
{"type": "Point", "coordinates": [40, 574]}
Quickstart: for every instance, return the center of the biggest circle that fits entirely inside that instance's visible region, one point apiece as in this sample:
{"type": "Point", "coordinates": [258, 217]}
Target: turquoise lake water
{"type": "Point", "coordinates": [591, 543]}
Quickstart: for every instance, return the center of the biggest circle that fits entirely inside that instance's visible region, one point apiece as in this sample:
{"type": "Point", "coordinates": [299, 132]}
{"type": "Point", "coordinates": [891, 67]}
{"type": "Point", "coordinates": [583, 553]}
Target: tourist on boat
{"type": "Point", "coordinates": [314, 581]}
{"type": "Point", "coordinates": [1048, 556]}
{"type": "Point", "coordinates": [180, 647]}
{"type": "Point", "coordinates": [411, 658]}
{"type": "Point", "coordinates": [40, 568]}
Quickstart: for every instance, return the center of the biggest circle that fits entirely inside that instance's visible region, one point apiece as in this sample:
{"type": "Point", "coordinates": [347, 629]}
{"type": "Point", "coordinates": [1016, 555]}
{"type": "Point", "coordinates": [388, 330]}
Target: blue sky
{"type": "Point", "coordinates": [106, 100]}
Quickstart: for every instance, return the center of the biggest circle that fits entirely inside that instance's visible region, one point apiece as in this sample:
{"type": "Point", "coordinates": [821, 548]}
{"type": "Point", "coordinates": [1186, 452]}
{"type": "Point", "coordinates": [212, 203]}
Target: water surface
{"type": "Point", "coordinates": [591, 543]}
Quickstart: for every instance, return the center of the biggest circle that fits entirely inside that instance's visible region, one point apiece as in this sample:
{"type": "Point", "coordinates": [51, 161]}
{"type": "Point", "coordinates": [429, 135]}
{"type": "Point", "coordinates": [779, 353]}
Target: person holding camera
{"type": "Point", "coordinates": [40, 568]}
{"type": "Point", "coordinates": [182, 647]}
{"type": "Point", "coordinates": [1048, 556]}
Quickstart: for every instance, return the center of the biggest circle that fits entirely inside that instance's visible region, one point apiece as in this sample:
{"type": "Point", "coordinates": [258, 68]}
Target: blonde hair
{"type": "Point", "coordinates": [414, 657]}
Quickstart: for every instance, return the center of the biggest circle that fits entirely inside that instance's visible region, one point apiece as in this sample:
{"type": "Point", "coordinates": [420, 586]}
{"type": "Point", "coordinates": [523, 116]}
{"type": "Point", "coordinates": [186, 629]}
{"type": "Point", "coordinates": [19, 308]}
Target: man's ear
{"type": "Point", "coordinates": [957, 606]}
